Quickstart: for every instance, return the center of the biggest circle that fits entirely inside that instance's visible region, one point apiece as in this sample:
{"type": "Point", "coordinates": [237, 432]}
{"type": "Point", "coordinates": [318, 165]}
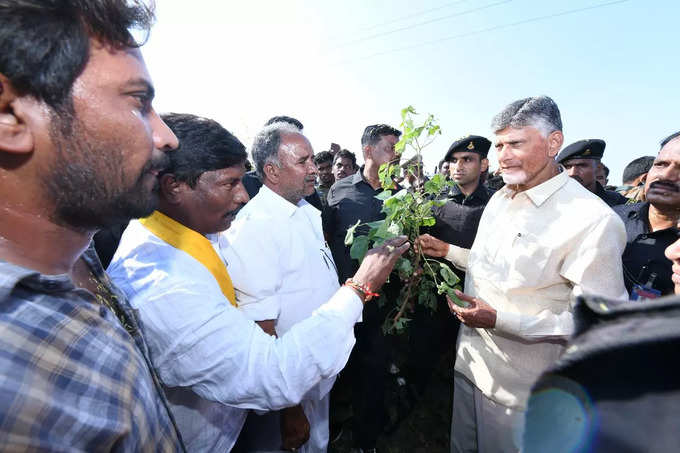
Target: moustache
{"type": "Point", "coordinates": [157, 164]}
{"type": "Point", "coordinates": [665, 184]}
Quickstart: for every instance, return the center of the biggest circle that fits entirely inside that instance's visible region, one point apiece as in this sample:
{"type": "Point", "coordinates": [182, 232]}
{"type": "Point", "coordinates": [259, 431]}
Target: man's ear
{"type": "Point", "coordinates": [15, 134]}
{"type": "Point", "coordinates": [484, 165]}
{"type": "Point", "coordinates": [171, 189]}
{"type": "Point", "coordinates": [368, 152]}
{"type": "Point", "coordinates": [271, 172]}
{"type": "Point", "coordinates": [555, 141]}
{"type": "Point", "coordinates": [643, 179]}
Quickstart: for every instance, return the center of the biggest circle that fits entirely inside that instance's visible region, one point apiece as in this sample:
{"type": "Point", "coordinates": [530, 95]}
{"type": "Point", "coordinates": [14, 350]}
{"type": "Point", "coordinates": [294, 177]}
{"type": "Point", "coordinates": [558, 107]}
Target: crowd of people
{"type": "Point", "coordinates": [230, 303]}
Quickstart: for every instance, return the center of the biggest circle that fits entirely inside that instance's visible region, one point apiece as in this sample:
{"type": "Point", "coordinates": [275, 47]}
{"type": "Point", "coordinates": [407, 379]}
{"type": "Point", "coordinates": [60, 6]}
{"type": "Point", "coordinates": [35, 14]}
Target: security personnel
{"type": "Point", "coordinates": [458, 219]}
{"type": "Point", "coordinates": [456, 223]}
{"type": "Point", "coordinates": [581, 159]}
{"type": "Point", "coordinates": [651, 226]}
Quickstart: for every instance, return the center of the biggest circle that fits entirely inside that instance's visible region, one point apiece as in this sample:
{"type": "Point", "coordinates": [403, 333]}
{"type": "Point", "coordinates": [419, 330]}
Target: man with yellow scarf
{"type": "Point", "coordinates": [213, 362]}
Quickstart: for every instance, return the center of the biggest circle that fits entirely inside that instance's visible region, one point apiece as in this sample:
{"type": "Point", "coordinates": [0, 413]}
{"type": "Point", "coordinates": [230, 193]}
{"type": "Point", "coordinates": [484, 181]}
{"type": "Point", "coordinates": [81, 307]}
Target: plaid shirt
{"type": "Point", "coordinates": [71, 377]}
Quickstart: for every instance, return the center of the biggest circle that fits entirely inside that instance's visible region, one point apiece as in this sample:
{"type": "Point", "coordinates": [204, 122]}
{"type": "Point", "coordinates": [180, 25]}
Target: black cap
{"type": "Point", "coordinates": [471, 144]}
{"type": "Point", "coordinates": [583, 149]}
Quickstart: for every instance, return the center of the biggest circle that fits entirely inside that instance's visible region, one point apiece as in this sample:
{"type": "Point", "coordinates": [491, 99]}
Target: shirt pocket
{"type": "Point", "coordinates": [527, 258]}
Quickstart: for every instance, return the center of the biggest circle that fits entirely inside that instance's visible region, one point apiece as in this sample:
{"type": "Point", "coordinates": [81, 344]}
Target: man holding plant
{"type": "Point", "coordinates": [530, 258]}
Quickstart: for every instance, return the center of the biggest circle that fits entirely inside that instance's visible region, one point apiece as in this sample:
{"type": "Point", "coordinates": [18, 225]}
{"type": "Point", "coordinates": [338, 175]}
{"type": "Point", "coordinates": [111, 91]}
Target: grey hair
{"type": "Point", "coordinates": [539, 112]}
{"type": "Point", "coordinates": [265, 147]}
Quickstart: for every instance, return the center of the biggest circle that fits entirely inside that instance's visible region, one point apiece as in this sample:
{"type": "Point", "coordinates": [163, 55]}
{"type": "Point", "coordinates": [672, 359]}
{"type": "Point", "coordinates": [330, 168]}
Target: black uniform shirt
{"type": "Point", "coordinates": [644, 253]}
{"type": "Point", "coordinates": [458, 219]}
{"type": "Point", "coordinates": [350, 199]}
{"type": "Point", "coordinates": [610, 197]}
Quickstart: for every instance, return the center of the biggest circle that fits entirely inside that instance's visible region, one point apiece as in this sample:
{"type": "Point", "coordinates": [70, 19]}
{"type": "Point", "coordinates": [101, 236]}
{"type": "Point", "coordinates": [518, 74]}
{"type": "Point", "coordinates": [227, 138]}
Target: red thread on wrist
{"type": "Point", "coordinates": [363, 289]}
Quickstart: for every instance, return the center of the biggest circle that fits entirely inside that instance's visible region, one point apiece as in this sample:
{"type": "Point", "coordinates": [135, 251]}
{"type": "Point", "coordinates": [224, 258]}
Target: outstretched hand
{"type": "Point", "coordinates": [477, 314]}
{"type": "Point", "coordinates": [379, 261]}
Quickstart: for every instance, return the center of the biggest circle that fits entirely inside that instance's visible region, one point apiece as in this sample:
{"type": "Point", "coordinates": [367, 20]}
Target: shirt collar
{"type": "Point", "coordinates": [540, 193]}
{"type": "Point", "coordinates": [359, 176]}
{"type": "Point", "coordinates": [10, 275]}
{"type": "Point", "coordinates": [278, 203]}
{"type": "Point", "coordinates": [639, 215]}
{"type": "Point", "coordinates": [480, 192]}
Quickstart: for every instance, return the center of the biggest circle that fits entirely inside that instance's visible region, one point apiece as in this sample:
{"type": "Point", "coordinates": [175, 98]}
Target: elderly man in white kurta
{"type": "Point", "coordinates": [542, 240]}
{"type": "Point", "coordinates": [276, 253]}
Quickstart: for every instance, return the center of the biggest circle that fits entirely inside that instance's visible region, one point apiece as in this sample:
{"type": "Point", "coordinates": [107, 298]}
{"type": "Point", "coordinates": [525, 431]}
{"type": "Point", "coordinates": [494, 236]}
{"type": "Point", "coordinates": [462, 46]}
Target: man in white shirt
{"type": "Point", "coordinates": [213, 362]}
{"type": "Point", "coordinates": [278, 259]}
{"type": "Point", "coordinates": [543, 239]}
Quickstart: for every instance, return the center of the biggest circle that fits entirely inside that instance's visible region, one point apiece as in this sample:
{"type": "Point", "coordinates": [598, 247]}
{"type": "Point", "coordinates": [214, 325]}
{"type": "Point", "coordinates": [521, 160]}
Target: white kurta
{"type": "Point", "coordinates": [282, 269]}
{"type": "Point", "coordinates": [214, 361]}
{"type": "Point", "coordinates": [532, 255]}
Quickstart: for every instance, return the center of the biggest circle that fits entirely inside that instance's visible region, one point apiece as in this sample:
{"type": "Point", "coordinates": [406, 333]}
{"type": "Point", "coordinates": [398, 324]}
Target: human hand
{"type": "Point", "coordinates": [477, 314]}
{"type": "Point", "coordinates": [431, 246]}
{"type": "Point", "coordinates": [379, 261]}
{"type": "Point", "coordinates": [294, 428]}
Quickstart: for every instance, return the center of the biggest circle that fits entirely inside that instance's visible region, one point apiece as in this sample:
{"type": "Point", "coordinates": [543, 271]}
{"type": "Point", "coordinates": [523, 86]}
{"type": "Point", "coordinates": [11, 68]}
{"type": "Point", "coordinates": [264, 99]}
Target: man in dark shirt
{"type": "Point", "coordinates": [456, 223]}
{"type": "Point", "coordinates": [580, 159]}
{"type": "Point", "coordinates": [458, 219]}
{"type": "Point", "coordinates": [324, 165]}
{"type": "Point", "coordinates": [351, 199]}
{"type": "Point", "coordinates": [652, 226]}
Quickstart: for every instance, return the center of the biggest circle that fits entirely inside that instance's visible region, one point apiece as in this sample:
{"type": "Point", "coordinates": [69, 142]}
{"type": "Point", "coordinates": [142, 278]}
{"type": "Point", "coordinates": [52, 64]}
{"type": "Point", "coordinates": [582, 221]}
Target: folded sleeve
{"type": "Point", "coordinates": [458, 256]}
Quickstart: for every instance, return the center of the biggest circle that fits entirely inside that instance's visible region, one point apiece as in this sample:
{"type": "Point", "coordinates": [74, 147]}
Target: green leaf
{"type": "Point", "coordinates": [384, 195]}
{"type": "Point", "coordinates": [426, 295]}
{"type": "Point", "coordinates": [349, 236]}
{"type": "Point", "coordinates": [404, 268]}
{"type": "Point", "coordinates": [435, 185]}
{"type": "Point", "coordinates": [448, 275]}
{"type": "Point", "coordinates": [429, 221]}
{"type": "Point", "coordinates": [359, 248]}
{"type": "Point", "coordinates": [376, 224]}
{"type": "Point", "coordinates": [434, 130]}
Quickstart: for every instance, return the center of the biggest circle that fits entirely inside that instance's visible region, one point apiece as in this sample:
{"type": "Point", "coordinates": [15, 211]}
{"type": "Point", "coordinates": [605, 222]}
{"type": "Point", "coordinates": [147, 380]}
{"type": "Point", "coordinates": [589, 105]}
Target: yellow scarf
{"type": "Point", "coordinates": [193, 243]}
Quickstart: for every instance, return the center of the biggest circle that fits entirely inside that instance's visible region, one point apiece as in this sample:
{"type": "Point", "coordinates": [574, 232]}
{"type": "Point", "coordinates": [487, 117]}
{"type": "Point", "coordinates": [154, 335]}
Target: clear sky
{"type": "Point", "coordinates": [611, 66]}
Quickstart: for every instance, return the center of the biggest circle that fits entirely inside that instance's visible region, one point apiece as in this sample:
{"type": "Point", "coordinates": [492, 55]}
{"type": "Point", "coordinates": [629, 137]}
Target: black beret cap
{"type": "Point", "coordinates": [583, 149]}
{"type": "Point", "coordinates": [471, 144]}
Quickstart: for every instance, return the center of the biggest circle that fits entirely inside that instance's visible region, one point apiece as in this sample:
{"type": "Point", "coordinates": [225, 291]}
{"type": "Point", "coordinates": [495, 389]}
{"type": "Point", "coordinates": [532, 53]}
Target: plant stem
{"type": "Point", "coordinates": [407, 296]}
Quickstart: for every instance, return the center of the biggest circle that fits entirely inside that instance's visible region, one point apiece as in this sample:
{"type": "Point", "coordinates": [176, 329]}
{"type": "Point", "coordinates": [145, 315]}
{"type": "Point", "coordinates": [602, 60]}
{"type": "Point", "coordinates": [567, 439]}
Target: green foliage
{"type": "Point", "coordinates": [406, 212]}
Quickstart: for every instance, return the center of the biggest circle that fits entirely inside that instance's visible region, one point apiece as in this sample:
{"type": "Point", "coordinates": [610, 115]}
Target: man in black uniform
{"type": "Point", "coordinates": [580, 159]}
{"type": "Point", "coordinates": [456, 223]}
{"type": "Point", "coordinates": [351, 199]}
{"type": "Point", "coordinates": [458, 219]}
{"type": "Point", "coordinates": [651, 226]}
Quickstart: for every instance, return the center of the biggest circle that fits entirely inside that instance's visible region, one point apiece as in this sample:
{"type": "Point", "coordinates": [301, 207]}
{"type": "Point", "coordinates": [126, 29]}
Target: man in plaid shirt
{"type": "Point", "coordinates": [80, 149]}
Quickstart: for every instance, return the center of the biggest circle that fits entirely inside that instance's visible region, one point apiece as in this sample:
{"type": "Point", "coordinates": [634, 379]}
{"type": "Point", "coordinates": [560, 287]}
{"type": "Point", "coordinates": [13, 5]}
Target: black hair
{"type": "Point", "coordinates": [373, 133]}
{"type": "Point", "coordinates": [605, 169]}
{"type": "Point", "coordinates": [346, 154]}
{"type": "Point", "coordinates": [322, 157]}
{"type": "Point", "coordinates": [204, 145]}
{"type": "Point", "coordinates": [46, 43]}
{"type": "Point", "coordinates": [284, 119]}
{"type": "Point", "coordinates": [673, 136]}
{"type": "Point", "coordinates": [637, 167]}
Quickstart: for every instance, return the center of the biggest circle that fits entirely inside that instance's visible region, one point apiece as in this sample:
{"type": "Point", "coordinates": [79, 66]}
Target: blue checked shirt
{"type": "Point", "coordinates": [71, 377]}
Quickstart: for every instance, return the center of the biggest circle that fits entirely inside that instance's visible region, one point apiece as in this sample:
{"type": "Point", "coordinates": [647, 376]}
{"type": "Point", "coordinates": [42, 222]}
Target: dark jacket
{"type": "Point", "coordinates": [616, 388]}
